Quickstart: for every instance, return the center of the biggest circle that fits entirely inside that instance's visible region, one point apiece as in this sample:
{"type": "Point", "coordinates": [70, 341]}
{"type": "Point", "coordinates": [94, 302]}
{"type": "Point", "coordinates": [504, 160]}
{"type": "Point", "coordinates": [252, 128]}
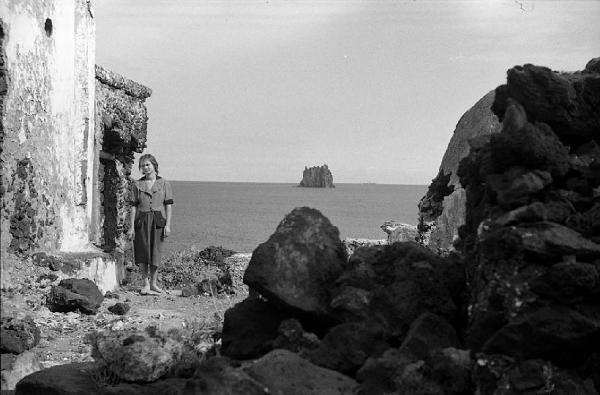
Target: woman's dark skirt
{"type": "Point", "coordinates": [148, 241]}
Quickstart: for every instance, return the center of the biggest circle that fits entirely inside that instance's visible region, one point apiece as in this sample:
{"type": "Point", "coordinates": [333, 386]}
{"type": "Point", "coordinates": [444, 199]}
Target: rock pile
{"type": "Point", "coordinates": [532, 234]}
{"type": "Point", "coordinates": [211, 271]}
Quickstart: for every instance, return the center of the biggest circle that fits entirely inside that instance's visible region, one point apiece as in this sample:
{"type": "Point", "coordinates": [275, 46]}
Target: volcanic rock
{"type": "Point", "coordinates": [347, 346]}
{"type": "Point", "coordinates": [442, 210]}
{"type": "Point", "coordinates": [139, 356]}
{"type": "Point", "coordinates": [119, 308]}
{"type": "Point", "coordinates": [427, 333]}
{"type": "Point", "coordinates": [393, 285]}
{"type": "Point", "coordinates": [283, 372]}
{"type": "Point", "coordinates": [18, 335]}
{"type": "Point", "coordinates": [74, 294]}
{"type": "Point", "coordinates": [317, 177]}
{"type": "Point", "coordinates": [249, 328]}
{"type": "Point", "coordinates": [296, 266]}
{"type": "Point", "coordinates": [68, 379]}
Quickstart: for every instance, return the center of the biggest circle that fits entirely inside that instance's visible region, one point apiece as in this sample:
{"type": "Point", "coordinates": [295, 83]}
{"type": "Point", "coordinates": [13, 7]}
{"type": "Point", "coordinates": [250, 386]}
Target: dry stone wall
{"type": "Point", "coordinates": [121, 125]}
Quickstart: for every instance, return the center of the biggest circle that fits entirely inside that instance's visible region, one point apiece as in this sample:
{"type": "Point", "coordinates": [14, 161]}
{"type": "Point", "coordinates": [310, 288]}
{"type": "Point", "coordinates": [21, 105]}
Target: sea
{"type": "Point", "coordinates": [241, 215]}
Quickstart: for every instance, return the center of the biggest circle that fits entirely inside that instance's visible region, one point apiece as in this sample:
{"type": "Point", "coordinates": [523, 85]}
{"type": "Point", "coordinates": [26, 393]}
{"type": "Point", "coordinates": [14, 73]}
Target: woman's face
{"type": "Point", "coordinates": [146, 167]}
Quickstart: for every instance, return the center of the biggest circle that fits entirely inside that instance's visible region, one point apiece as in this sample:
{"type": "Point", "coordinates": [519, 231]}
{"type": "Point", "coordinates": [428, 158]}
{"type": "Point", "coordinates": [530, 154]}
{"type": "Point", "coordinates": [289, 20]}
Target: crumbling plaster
{"type": "Point", "coordinates": [48, 118]}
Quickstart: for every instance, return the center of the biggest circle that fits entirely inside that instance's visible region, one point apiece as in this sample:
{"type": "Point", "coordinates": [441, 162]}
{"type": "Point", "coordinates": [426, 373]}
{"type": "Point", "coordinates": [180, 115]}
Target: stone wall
{"type": "Point", "coordinates": [121, 124]}
{"type": "Point", "coordinates": [47, 114]}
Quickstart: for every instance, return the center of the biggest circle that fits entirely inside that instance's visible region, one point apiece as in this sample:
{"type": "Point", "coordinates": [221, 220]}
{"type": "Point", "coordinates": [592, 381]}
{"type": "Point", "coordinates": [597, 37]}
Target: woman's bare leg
{"type": "Point", "coordinates": [153, 278]}
{"type": "Point", "coordinates": [146, 288]}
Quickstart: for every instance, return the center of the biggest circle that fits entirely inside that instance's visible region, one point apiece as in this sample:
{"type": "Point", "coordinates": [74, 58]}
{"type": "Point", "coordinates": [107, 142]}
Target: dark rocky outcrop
{"type": "Point", "coordinates": [317, 177]}
{"type": "Point", "coordinates": [532, 261]}
{"type": "Point", "coordinates": [75, 294]}
{"type": "Point", "coordinates": [442, 209]}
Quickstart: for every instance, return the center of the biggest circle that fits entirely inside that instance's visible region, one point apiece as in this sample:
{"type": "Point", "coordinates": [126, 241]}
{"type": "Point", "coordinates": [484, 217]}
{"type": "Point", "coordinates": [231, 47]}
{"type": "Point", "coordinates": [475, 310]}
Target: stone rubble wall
{"type": "Point", "coordinates": [121, 127]}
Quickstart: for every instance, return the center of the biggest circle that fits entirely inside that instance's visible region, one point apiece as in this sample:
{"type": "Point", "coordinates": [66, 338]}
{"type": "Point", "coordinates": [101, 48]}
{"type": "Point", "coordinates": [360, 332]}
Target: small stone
{"type": "Point", "coordinates": [119, 308]}
{"type": "Point", "coordinates": [111, 295]}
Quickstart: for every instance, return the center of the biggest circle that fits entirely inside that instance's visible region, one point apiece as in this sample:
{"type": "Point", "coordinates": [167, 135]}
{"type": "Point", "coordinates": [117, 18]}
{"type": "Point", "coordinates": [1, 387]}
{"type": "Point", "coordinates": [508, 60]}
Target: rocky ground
{"type": "Point", "coordinates": [64, 336]}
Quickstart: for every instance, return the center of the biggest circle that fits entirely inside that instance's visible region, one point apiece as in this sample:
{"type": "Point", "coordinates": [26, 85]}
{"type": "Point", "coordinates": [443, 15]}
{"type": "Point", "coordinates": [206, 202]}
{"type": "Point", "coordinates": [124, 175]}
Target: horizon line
{"type": "Point", "coordinates": [296, 183]}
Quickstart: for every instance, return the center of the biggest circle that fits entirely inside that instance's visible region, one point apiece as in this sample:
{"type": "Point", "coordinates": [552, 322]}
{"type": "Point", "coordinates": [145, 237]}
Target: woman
{"type": "Point", "coordinates": [151, 212]}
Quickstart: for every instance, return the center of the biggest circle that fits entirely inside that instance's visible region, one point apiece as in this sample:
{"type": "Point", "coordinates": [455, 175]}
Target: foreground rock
{"type": "Point", "coordinates": [15, 367]}
{"type": "Point", "coordinates": [296, 266]}
{"type": "Point", "coordinates": [533, 259]}
{"type": "Point", "coordinates": [317, 177]}
{"type": "Point", "coordinates": [283, 372]}
{"type": "Point", "coordinates": [75, 294]}
{"type": "Point", "coordinates": [141, 356]}
{"type": "Point", "coordinates": [18, 335]}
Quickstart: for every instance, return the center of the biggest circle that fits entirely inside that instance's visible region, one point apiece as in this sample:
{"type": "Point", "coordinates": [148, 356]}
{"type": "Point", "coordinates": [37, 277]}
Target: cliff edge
{"type": "Point", "coordinates": [317, 177]}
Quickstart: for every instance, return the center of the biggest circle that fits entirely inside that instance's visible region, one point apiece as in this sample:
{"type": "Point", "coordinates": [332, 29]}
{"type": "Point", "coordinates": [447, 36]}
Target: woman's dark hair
{"type": "Point", "coordinates": [150, 158]}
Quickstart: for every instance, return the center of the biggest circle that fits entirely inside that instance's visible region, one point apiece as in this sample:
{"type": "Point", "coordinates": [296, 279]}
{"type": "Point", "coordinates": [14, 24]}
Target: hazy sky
{"type": "Point", "coordinates": [253, 90]}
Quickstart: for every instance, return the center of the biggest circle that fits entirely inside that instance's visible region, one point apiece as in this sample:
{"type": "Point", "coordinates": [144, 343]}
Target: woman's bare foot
{"type": "Point", "coordinates": [156, 288]}
{"type": "Point", "coordinates": [145, 291]}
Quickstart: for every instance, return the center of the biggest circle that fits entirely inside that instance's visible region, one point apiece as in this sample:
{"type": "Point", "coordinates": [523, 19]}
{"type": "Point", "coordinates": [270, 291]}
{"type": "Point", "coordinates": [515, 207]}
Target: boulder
{"type": "Point", "coordinates": [346, 347]}
{"type": "Point", "coordinates": [451, 369]}
{"type": "Point", "coordinates": [296, 266]}
{"type": "Point", "coordinates": [138, 356]}
{"type": "Point", "coordinates": [15, 367]}
{"type": "Point", "coordinates": [317, 177]}
{"type": "Point", "coordinates": [249, 328]}
{"type": "Point", "coordinates": [398, 231]}
{"type": "Point", "coordinates": [379, 375]}
{"type": "Point", "coordinates": [292, 337]}
{"type": "Point", "coordinates": [427, 333]}
{"type": "Point", "coordinates": [69, 379]}
{"type": "Point", "coordinates": [75, 294]}
{"type": "Point", "coordinates": [284, 372]}
{"type": "Point", "coordinates": [442, 210]}
{"type": "Point", "coordinates": [18, 335]}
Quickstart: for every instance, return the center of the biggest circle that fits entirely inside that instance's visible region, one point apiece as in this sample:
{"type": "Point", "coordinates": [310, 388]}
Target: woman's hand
{"type": "Point", "coordinates": [131, 232]}
{"type": "Point", "coordinates": [167, 231]}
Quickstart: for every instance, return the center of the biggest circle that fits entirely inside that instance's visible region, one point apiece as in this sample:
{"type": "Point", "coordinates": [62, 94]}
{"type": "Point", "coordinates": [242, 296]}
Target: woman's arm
{"type": "Point", "coordinates": [169, 214]}
{"type": "Point", "coordinates": [131, 230]}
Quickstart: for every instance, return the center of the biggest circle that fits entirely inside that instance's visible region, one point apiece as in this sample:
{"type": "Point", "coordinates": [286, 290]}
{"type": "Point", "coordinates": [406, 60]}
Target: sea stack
{"type": "Point", "coordinates": [317, 177]}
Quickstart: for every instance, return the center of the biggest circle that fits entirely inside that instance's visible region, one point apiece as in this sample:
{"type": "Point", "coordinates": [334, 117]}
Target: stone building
{"type": "Point", "coordinates": [68, 132]}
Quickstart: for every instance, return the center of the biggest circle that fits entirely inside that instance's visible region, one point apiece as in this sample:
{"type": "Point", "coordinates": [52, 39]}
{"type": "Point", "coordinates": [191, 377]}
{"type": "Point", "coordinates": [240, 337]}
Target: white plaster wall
{"type": "Point", "coordinates": [50, 110]}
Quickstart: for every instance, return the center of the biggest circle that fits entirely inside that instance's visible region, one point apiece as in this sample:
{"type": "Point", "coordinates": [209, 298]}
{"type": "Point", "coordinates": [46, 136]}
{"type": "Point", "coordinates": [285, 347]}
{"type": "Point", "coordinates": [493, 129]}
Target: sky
{"type": "Point", "coordinates": [255, 90]}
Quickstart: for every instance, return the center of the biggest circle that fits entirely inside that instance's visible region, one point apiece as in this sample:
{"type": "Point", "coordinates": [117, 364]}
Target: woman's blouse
{"type": "Point", "coordinates": [153, 199]}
